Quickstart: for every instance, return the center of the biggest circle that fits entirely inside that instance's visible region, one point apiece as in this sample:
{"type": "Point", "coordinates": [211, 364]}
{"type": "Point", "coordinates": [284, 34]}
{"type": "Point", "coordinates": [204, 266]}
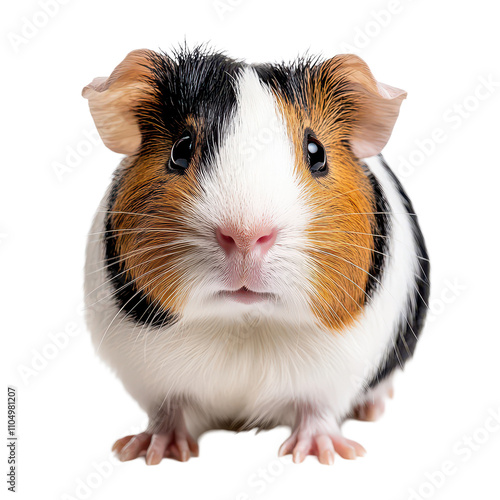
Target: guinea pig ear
{"type": "Point", "coordinates": [376, 105]}
{"type": "Point", "coordinates": [112, 100]}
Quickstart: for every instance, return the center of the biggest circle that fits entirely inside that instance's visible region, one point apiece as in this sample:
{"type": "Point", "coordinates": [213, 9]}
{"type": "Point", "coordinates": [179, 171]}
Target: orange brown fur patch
{"type": "Point", "coordinates": [340, 242]}
{"type": "Point", "coordinates": [150, 235]}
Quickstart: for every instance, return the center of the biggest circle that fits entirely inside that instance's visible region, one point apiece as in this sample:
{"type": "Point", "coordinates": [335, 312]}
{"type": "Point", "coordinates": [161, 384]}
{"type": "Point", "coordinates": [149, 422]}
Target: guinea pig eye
{"type": "Point", "coordinates": [316, 156]}
{"type": "Point", "coordinates": [180, 155]}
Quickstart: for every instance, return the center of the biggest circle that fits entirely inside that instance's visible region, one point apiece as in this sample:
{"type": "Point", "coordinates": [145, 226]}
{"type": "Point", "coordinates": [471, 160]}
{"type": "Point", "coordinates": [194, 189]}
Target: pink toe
{"type": "Point", "coordinates": [298, 457]}
{"type": "Point", "coordinates": [360, 451]}
{"type": "Point", "coordinates": [285, 448]}
{"type": "Point", "coordinates": [326, 452]}
{"type": "Point", "coordinates": [301, 450]}
{"type": "Point", "coordinates": [183, 448]}
{"type": "Point", "coordinates": [343, 448]}
{"type": "Point", "coordinates": [134, 447]}
{"type": "Point", "coordinates": [156, 450]}
{"type": "Point", "coordinates": [120, 443]}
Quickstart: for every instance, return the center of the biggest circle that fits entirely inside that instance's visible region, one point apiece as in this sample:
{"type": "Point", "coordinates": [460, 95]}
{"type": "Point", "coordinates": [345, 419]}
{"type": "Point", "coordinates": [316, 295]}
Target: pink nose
{"type": "Point", "coordinates": [258, 241]}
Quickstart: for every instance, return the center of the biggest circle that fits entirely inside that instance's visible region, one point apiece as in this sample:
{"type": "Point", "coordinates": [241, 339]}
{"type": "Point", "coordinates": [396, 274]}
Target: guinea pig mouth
{"type": "Point", "coordinates": [246, 296]}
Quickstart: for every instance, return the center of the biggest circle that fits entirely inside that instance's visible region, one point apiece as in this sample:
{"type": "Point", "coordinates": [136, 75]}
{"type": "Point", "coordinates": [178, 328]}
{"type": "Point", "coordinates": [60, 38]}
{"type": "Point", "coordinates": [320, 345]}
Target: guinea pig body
{"type": "Point", "coordinates": [254, 262]}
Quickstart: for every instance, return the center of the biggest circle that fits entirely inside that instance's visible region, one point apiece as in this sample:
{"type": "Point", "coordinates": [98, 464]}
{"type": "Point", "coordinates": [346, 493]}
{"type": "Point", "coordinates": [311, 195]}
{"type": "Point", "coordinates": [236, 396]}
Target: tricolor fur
{"type": "Point", "coordinates": [347, 277]}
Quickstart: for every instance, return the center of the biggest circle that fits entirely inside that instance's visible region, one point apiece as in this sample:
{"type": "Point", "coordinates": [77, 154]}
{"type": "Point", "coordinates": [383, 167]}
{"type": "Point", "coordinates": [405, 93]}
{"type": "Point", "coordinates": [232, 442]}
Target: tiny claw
{"type": "Point", "coordinates": [297, 457]}
{"type": "Point", "coordinates": [152, 458]}
{"type": "Point", "coordinates": [124, 456]}
{"type": "Point", "coordinates": [120, 443]}
{"type": "Point", "coordinates": [360, 451]}
{"type": "Point", "coordinates": [282, 451]}
{"type": "Point", "coordinates": [327, 458]}
{"type": "Point", "coordinates": [193, 446]}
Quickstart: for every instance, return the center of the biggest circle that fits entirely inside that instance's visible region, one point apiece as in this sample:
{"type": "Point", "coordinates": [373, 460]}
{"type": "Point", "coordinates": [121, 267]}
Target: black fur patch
{"type": "Point", "coordinates": [290, 80]}
{"type": "Point", "coordinates": [197, 84]}
{"type": "Point", "coordinates": [411, 325]}
{"type": "Point", "coordinates": [380, 230]}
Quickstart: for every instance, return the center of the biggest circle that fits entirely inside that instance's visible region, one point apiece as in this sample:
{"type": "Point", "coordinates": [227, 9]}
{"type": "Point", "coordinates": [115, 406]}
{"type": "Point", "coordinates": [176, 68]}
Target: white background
{"type": "Point", "coordinates": [71, 408]}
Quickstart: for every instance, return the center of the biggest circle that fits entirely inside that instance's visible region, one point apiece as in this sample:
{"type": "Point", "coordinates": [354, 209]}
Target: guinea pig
{"type": "Point", "coordinates": [254, 262]}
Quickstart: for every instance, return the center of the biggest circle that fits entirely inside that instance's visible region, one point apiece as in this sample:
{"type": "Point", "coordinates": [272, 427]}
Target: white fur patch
{"type": "Point", "coordinates": [250, 182]}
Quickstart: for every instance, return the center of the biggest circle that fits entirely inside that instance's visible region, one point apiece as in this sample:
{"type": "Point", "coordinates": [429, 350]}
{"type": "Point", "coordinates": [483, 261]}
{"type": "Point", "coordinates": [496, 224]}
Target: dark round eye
{"type": "Point", "coordinates": [316, 156]}
{"type": "Point", "coordinates": [180, 156]}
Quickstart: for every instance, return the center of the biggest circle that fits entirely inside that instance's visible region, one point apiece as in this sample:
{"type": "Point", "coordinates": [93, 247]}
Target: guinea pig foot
{"type": "Point", "coordinates": [374, 406]}
{"type": "Point", "coordinates": [369, 411]}
{"type": "Point", "coordinates": [177, 444]}
{"type": "Point", "coordinates": [323, 445]}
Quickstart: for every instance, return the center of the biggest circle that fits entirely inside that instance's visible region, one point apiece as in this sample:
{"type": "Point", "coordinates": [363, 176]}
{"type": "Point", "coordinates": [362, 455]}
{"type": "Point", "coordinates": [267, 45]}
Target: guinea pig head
{"type": "Point", "coordinates": [243, 188]}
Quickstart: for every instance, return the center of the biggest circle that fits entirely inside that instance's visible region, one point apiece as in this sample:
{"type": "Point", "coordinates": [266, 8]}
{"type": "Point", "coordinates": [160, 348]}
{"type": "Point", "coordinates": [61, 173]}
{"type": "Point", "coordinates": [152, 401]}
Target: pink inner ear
{"type": "Point", "coordinates": [389, 92]}
{"type": "Point", "coordinates": [97, 84]}
{"type": "Point", "coordinates": [111, 102]}
{"type": "Point", "coordinates": [377, 118]}
{"type": "Point", "coordinates": [114, 121]}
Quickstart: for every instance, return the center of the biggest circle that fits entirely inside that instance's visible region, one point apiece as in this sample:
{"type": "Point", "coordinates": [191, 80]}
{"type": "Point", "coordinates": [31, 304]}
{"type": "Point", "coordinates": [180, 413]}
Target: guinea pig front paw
{"type": "Point", "coordinates": [177, 444]}
{"type": "Point", "coordinates": [320, 440]}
